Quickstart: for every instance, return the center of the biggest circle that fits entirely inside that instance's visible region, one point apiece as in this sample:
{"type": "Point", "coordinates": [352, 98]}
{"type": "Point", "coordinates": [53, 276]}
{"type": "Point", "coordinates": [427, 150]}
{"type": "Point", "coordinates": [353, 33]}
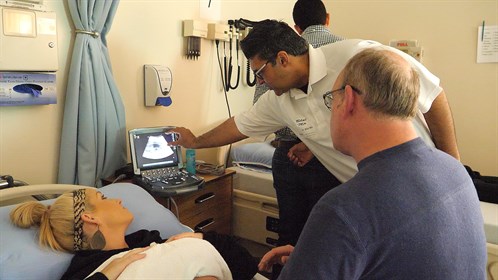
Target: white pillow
{"type": "Point", "coordinates": [253, 155]}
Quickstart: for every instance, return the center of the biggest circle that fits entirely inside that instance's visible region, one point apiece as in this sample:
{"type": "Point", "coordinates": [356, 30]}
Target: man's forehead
{"type": "Point", "coordinates": [339, 80]}
{"type": "Point", "coordinates": [255, 61]}
{"type": "Point", "coordinates": [255, 58]}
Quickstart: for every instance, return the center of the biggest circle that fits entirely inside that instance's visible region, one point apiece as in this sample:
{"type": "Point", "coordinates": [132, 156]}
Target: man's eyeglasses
{"type": "Point", "coordinates": [328, 97]}
{"type": "Point", "coordinates": [258, 74]}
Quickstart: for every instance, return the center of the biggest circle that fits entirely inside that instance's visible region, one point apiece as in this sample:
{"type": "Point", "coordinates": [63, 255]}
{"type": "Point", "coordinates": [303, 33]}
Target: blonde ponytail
{"type": "Point", "coordinates": [56, 222]}
{"type": "Point", "coordinates": [28, 214]}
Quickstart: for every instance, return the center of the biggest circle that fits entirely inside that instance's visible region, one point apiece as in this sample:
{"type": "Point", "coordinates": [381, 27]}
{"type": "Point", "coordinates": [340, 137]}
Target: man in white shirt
{"type": "Point", "coordinates": [291, 181]}
{"type": "Point", "coordinates": [298, 77]}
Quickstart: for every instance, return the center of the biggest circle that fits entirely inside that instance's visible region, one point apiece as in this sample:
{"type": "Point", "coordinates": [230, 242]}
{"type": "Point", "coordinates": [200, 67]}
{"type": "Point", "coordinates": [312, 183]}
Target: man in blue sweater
{"type": "Point", "coordinates": [411, 211]}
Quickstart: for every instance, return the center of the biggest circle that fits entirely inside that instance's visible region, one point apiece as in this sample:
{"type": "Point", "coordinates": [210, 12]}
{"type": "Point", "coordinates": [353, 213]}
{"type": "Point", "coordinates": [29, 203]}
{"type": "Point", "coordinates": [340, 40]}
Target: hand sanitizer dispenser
{"type": "Point", "coordinates": [158, 80]}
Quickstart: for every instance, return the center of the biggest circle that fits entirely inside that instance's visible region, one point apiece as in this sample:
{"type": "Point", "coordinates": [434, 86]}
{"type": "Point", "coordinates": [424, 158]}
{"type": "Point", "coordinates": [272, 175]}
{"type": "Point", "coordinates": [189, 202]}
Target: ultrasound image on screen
{"type": "Point", "coordinates": [157, 148]}
{"type": "Point", "coordinates": [152, 150]}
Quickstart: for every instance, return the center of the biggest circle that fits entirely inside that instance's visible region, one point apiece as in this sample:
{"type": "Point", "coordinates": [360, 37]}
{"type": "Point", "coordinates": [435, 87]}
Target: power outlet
{"type": "Point", "coordinates": [272, 224]}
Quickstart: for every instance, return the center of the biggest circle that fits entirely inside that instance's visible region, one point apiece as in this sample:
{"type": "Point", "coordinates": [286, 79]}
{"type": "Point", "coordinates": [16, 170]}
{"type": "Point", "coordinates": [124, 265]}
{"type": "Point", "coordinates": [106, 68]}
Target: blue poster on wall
{"type": "Point", "coordinates": [19, 89]}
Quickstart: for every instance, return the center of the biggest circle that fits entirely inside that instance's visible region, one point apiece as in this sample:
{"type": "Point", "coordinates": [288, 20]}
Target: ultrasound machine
{"type": "Point", "coordinates": [157, 166]}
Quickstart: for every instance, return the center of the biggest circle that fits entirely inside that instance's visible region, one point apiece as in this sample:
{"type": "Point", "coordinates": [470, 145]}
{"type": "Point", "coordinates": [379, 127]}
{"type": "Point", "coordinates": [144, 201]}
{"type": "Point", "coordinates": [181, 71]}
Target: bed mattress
{"type": "Point", "coordinates": [253, 181]}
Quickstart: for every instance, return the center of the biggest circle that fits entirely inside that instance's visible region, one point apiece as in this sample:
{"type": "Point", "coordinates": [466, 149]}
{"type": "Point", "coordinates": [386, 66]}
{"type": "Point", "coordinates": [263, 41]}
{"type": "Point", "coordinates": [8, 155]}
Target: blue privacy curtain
{"type": "Point", "coordinates": [94, 131]}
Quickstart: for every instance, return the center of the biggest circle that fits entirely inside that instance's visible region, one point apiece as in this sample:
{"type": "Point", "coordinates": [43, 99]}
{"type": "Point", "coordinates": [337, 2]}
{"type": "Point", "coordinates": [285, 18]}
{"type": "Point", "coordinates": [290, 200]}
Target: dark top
{"type": "Point", "coordinates": [241, 263]}
{"type": "Point", "coordinates": [411, 212]}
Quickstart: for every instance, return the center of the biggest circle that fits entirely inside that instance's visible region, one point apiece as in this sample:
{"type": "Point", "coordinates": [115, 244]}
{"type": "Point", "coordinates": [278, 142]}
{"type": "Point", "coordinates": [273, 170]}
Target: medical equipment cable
{"type": "Point", "coordinates": [226, 95]}
{"type": "Point", "coordinates": [248, 76]}
{"type": "Point", "coordinates": [222, 80]}
{"type": "Point", "coordinates": [177, 213]}
{"type": "Point", "coordinates": [209, 168]}
{"type": "Point", "coordinates": [228, 76]}
{"type": "Point", "coordinates": [224, 72]}
{"type": "Point", "coordinates": [230, 68]}
{"type": "Point", "coordinates": [122, 176]}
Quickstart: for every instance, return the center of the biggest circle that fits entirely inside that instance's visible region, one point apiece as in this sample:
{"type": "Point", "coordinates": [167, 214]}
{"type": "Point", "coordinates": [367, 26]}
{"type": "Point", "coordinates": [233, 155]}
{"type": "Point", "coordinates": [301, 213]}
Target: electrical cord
{"type": "Point", "coordinates": [208, 168]}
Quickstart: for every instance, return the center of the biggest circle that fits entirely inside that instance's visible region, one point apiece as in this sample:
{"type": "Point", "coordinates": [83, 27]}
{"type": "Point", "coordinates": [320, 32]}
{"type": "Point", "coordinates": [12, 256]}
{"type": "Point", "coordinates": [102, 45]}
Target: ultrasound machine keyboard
{"type": "Point", "coordinates": [169, 181]}
{"type": "Point", "coordinates": [169, 176]}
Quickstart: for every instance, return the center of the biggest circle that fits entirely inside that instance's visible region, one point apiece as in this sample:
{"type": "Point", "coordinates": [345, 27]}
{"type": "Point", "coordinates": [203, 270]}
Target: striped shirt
{"type": "Point", "coordinates": [317, 36]}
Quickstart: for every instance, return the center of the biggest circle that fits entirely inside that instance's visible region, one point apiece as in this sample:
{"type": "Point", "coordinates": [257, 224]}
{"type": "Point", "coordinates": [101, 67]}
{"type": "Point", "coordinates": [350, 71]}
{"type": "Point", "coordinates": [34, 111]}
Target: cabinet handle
{"type": "Point", "coordinates": [204, 224]}
{"type": "Point", "coordinates": [204, 197]}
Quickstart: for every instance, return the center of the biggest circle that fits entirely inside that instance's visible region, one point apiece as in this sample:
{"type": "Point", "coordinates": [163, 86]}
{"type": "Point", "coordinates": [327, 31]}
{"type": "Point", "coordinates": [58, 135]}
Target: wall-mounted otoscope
{"type": "Point", "coordinates": [242, 28]}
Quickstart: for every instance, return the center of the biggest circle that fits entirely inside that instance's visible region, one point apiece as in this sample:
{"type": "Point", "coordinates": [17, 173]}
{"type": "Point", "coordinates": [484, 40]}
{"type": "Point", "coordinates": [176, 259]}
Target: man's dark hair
{"type": "Point", "coordinates": [309, 12]}
{"type": "Point", "coordinates": [268, 37]}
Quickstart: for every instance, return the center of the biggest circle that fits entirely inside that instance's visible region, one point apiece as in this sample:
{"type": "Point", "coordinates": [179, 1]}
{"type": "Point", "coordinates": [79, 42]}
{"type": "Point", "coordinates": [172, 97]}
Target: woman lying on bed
{"type": "Point", "coordinates": [93, 227]}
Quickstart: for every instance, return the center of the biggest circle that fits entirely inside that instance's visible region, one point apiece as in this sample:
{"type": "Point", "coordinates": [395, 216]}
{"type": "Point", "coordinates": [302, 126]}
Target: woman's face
{"type": "Point", "coordinates": [109, 211]}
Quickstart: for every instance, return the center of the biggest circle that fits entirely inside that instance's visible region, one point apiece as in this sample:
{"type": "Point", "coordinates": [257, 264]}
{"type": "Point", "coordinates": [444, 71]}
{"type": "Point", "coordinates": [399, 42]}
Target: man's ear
{"type": "Point", "coordinates": [327, 20]}
{"type": "Point", "coordinates": [282, 58]}
{"type": "Point", "coordinates": [350, 100]}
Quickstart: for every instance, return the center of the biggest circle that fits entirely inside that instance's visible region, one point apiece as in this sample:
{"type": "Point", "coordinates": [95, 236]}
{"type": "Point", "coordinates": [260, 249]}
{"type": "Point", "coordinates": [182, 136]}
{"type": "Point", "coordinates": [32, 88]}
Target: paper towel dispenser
{"type": "Point", "coordinates": [158, 80]}
{"type": "Point", "coordinates": [27, 88]}
{"type": "Point", "coordinates": [28, 39]}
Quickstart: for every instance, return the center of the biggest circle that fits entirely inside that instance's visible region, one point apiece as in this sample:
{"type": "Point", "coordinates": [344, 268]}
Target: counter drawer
{"type": "Point", "coordinates": [212, 195]}
{"type": "Point", "coordinates": [215, 218]}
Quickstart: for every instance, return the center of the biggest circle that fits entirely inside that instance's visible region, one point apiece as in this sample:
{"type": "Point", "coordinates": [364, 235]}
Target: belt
{"type": "Point", "coordinates": [284, 144]}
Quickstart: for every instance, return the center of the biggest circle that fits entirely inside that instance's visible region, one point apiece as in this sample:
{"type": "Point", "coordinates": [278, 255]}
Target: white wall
{"type": "Point", "coordinates": [448, 32]}
{"type": "Point", "coordinates": [30, 135]}
{"type": "Point", "coordinates": [149, 32]}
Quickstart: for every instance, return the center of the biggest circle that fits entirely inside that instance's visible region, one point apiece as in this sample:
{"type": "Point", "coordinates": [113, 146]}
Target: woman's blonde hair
{"type": "Point", "coordinates": [56, 222]}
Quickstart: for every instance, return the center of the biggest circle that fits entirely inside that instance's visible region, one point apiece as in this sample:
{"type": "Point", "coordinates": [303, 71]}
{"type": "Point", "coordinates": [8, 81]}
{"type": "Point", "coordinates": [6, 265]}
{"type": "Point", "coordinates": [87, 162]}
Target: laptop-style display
{"type": "Point", "coordinates": [157, 166]}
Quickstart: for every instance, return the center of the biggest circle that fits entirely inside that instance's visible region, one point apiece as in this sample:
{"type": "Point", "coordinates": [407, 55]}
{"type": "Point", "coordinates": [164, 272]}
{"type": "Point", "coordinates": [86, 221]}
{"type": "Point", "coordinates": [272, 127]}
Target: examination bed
{"type": "Point", "coordinates": [255, 207]}
{"type": "Point", "coordinates": [22, 258]}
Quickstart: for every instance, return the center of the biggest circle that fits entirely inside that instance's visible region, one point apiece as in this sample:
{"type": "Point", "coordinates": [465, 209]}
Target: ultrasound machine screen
{"type": "Point", "coordinates": [152, 150]}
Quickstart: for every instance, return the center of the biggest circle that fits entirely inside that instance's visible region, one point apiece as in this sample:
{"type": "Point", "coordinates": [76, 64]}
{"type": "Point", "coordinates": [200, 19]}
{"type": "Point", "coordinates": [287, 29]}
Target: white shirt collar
{"type": "Point", "coordinates": [317, 71]}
